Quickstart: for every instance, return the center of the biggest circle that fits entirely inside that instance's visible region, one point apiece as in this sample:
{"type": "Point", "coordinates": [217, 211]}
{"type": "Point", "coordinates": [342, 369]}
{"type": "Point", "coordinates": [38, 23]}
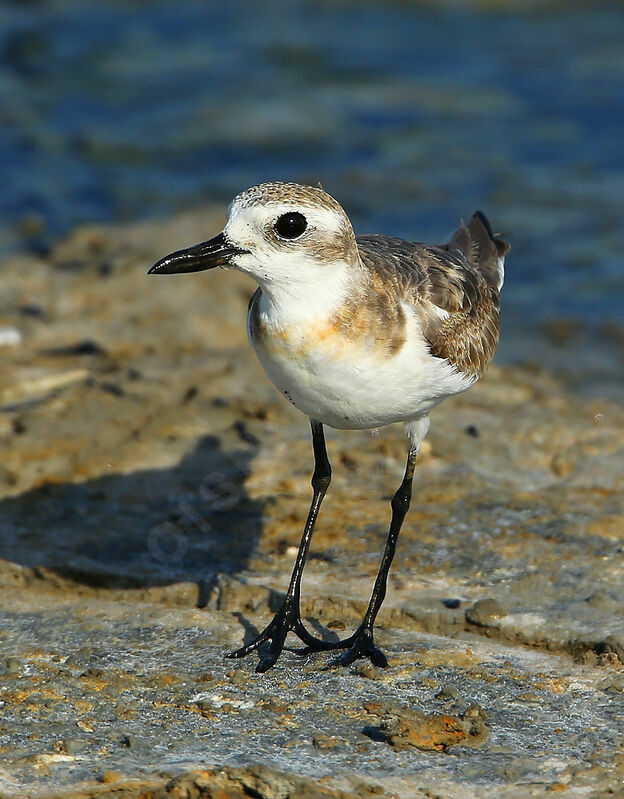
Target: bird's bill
{"type": "Point", "coordinates": [207, 255]}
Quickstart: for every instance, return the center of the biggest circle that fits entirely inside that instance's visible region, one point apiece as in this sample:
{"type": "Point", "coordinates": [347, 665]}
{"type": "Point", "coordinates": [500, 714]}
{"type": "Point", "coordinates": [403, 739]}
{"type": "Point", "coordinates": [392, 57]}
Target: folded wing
{"type": "Point", "coordinates": [454, 289]}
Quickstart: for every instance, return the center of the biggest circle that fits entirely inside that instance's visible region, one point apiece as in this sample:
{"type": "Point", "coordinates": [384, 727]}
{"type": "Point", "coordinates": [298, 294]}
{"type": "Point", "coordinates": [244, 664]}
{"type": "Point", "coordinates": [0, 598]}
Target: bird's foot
{"type": "Point", "coordinates": [286, 619]}
{"type": "Point", "coordinates": [362, 645]}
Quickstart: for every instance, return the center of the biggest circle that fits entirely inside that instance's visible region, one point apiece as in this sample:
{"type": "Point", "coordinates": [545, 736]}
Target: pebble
{"type": "Point", "coordinates": [13, 665]}
{"type": "Point", "coordinates": [366, 669]}
{"type": "Point", "coordinates": [108, 777]}
{"type": "Point", "coordinates": [10, 337]}
{"type": "Point", "coordinates": [325, 742]}
{"type": "Point", "coordinates": [485, 612]}
{"type": "Point", "coordinates": [84, 347]}
{"type": "Point", "coordinates": [448, 694]}
{"type": "Point", "coordinates": [32, 309]}
{"type": "Point", "coordinates": [72, 746]}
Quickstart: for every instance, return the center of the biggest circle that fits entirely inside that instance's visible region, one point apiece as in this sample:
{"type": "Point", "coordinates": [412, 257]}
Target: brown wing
{"type": "Point", "coordinates": [458, 303]}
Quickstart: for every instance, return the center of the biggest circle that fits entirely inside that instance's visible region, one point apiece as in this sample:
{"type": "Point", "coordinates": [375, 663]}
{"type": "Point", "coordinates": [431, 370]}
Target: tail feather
{"type": "Point", "coordinates": [481, 247]}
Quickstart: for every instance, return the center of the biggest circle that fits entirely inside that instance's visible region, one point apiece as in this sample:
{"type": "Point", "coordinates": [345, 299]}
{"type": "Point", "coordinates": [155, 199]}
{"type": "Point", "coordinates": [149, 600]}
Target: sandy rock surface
{"type": "Point", "coordinates": [154, 486]}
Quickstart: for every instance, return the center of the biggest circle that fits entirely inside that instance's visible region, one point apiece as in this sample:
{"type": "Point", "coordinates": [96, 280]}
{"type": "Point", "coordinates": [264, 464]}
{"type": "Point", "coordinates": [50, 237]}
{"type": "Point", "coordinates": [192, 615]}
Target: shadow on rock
{"type": "Point", "coordinates": [187, 523]}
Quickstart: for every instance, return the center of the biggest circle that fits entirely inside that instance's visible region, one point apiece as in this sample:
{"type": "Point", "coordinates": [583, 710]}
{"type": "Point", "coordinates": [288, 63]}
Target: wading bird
{"type": "Point", "coordinates": [357, 332]}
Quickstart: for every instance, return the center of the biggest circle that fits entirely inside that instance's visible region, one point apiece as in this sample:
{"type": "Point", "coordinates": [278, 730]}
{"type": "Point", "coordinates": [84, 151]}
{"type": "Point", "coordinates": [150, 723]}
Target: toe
{"type": "Point", "coordinates": [378, 658]}
{"type": "Point", "coordinates": [266, 663]}
{"type": "Point", "coordinates": [363, 647]}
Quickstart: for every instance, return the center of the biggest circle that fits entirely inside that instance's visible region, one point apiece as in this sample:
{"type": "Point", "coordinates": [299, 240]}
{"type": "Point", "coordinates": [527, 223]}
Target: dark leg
{"type": "Point", "coordinates": [361, 643]}
{"type": "Point", "coordinates": [288, 616]}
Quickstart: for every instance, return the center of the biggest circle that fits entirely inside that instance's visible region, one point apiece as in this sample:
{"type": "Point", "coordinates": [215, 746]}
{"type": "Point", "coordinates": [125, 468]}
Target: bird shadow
{"type": "Point", "coordinates": [187, 523]}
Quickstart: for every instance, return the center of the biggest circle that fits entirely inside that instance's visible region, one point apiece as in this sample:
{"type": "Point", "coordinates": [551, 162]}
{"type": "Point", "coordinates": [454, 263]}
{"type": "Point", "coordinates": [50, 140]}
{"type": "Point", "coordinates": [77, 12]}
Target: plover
{"type": "Point", "coordinates": [357, 332]}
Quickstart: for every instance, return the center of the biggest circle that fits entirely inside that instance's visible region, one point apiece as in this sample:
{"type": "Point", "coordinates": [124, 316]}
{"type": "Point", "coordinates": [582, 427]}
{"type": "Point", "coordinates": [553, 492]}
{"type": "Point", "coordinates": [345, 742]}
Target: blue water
{"type": "Point", "coordinates": [411, 114]}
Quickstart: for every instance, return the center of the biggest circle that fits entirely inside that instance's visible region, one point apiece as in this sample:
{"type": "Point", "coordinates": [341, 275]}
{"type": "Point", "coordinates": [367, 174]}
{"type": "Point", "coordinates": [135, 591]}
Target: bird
{"type": "Point", "coordinates": [357, 332]}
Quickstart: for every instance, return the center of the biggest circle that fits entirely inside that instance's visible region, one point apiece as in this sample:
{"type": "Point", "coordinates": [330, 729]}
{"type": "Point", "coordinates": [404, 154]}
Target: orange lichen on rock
{"type": "Point", "coordinates": [404, 728]}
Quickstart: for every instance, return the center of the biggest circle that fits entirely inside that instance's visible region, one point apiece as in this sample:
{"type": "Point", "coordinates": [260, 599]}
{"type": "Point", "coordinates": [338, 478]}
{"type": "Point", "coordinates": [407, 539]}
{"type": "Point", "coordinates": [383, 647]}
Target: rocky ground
{"type": "Point", "coordinates": [154, 486]}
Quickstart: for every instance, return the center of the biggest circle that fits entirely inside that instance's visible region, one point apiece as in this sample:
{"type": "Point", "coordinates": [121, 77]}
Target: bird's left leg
{"type": "Point", "coordinates": [361, 643]}
{"type": "Point", "coordinates": [288, 617]}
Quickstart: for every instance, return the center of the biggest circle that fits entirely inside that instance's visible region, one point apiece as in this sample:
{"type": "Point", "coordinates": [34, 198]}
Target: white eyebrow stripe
{"type": "Point", "coordinates": [323, 218]}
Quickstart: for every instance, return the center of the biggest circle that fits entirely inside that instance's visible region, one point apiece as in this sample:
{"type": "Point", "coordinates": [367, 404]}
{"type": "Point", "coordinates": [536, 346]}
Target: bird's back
{"type": "Point", "coordinates": [454, 288]}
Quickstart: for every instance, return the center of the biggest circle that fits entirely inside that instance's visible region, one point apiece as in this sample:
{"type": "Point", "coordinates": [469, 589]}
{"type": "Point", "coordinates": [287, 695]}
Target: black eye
{"type": "Point", "coordinates": [290, 225]}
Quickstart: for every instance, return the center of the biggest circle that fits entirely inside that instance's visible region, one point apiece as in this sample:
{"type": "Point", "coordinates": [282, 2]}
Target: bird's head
{"type": "Point", "coordinates": [279, 233]}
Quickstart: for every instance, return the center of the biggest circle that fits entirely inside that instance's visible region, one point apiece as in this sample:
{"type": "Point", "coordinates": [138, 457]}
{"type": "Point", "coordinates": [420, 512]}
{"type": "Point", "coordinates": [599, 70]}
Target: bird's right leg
{"type": "Point", "coordinates": [288, 617]}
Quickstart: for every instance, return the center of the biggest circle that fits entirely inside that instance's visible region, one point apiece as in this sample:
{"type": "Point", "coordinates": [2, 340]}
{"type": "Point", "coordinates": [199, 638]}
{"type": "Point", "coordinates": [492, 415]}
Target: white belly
{"type": "Point", "coordinates": [346, 385]}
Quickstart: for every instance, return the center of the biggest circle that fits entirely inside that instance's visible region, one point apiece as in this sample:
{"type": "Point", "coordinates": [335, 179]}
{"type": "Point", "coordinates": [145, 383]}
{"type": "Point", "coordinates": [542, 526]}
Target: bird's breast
{"type": "Point", "coordinates": [367, 325]}
{"type": "Point", "coordinates": [347, 370]}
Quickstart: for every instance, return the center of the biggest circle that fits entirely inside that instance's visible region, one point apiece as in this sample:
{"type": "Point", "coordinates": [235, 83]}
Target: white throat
{"type": "Point", "coordinates": [310, 297]}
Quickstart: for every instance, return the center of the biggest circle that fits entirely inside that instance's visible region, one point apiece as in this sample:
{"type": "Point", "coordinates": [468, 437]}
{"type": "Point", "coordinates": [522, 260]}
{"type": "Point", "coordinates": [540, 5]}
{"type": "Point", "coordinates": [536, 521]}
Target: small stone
{"type": "Point", "coordinates": [609, 659]}
{"type": "Point", "coordinates": [485, 612]}
{"type": "Point", "coordinates": [18, 426]}
{"type": "Point", "coordinates": [84, 347]}
{"type": "Point", "coordinates": [325, 742]}
{"type": "Point", "coordinates": [72, 746]}
{"type": "Point", "coordinates": [108, 777]}
{"type": "Point", "coordinates": [127, 740]}
{"type": "Point", "coordinates": [587, 658]}
{"type": "Point", "coordinates": [93, 671]}
{"type": "Point", "coordinates": [615, 644]}
{"type": "Point", "coordinates": [613, 684]}
{"type": "Point", "coordinates": [448, 694]}
{"type": "Point", "coordinates": [13, 665]}
{"type": "Point", "coordinates": [238, 677]}
{"type": "Point", "coordinates": [530, 697]}
{"type": "Point", "coordinates": [10, 337]}
{"type": "Point", "coordinates": [33, 310]}
{"type": "Point", "coordinates": [563, 464]}
{"type": "Point", "coordinates": [367, 670]}
{"type": "Point", "coordinates": [274, 705]}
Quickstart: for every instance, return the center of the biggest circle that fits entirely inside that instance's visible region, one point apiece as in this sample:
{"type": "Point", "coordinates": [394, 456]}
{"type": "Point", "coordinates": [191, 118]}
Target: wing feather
{"type": "Point", "coordinates": [457, 302]}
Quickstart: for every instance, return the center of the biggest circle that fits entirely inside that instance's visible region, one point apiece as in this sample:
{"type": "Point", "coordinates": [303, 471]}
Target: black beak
{"type": "Point", "coordinates": [207, 255]}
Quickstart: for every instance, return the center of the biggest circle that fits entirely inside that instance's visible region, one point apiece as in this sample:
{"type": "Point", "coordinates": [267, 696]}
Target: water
{"type": "Point", "coordinates": [411, 114]}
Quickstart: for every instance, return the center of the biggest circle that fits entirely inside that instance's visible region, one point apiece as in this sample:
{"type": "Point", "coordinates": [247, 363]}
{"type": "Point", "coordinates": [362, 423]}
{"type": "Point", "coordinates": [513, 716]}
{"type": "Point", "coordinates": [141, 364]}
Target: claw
{"type": "Point", "coordinates": [276, 632]}
{"type": "Point", "coordinates": [363, 646]}
{"type": "Point", "coordinates": [286, 619]}
{"type": "Point", "coordinates": [268, 662]}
